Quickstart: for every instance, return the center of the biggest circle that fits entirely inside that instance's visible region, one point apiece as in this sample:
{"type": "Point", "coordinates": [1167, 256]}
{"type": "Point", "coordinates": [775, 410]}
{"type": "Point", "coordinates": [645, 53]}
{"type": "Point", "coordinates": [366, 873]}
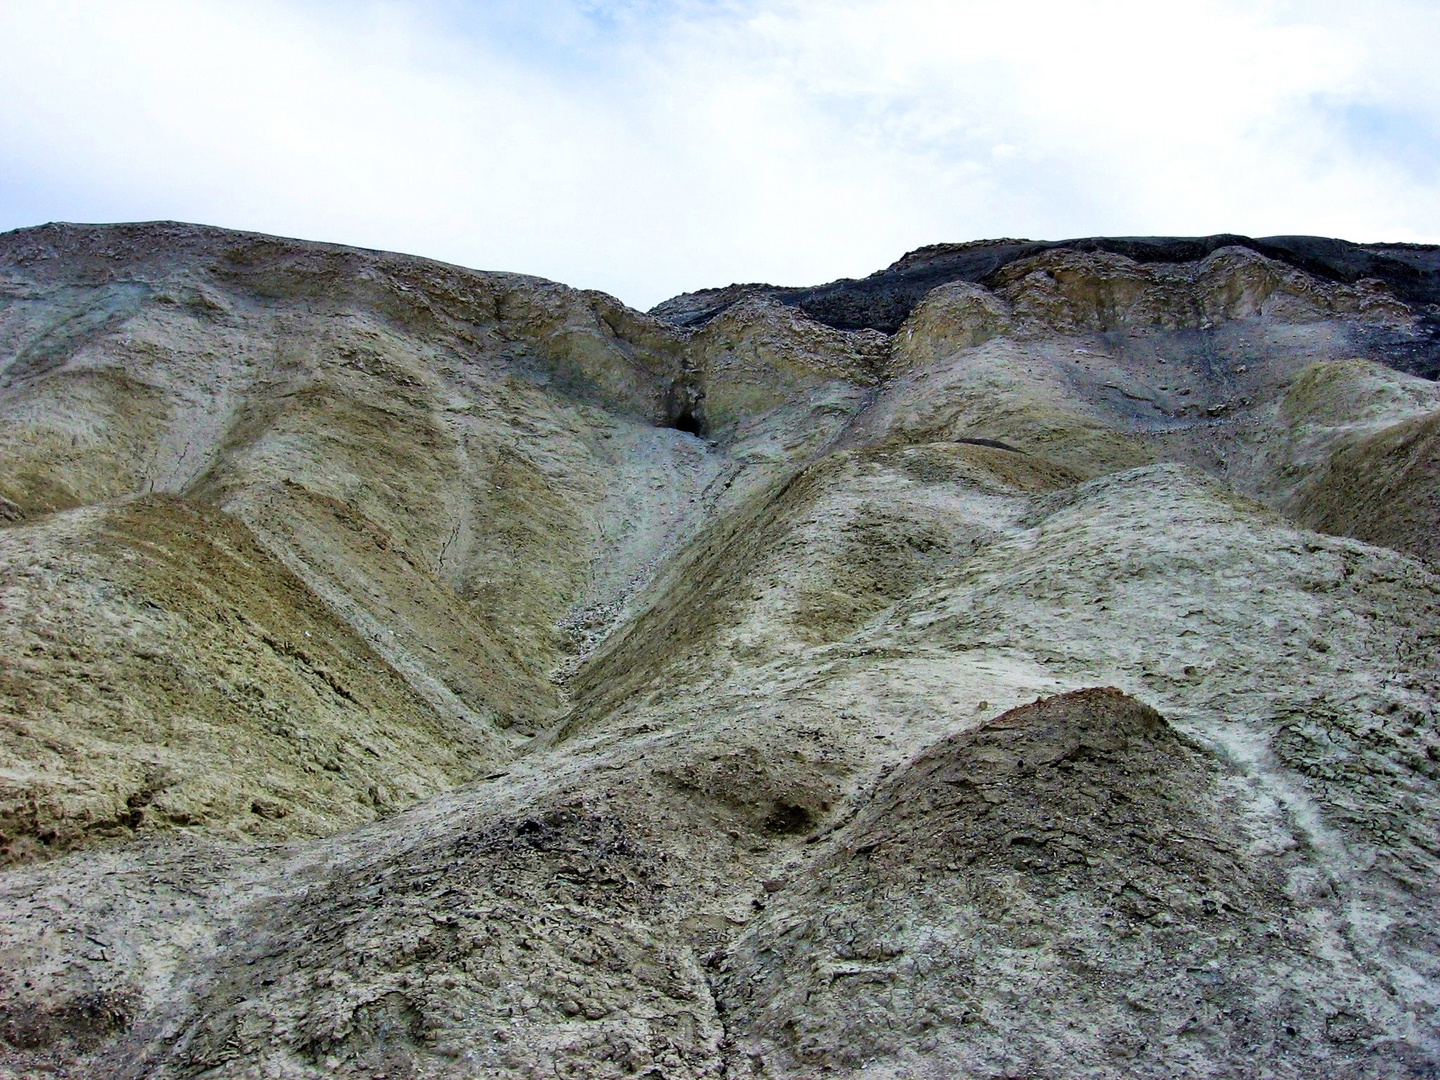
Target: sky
{"type": "Point", "coordinates": [649, 147]}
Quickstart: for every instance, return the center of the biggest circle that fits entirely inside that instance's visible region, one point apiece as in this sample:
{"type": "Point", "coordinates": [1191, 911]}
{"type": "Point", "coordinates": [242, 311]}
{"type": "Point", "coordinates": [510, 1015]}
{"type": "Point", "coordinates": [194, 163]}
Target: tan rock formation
{"type": "Point", "coordinates": [412, 671]}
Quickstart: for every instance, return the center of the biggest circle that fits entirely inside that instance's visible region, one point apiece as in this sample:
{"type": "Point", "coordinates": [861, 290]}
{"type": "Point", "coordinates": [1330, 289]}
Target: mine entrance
{"type": "Point", "coordinates": [690, 422]}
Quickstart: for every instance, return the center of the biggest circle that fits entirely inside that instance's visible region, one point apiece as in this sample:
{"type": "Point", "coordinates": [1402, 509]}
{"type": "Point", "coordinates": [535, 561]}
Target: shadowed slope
{"type": "Point", "coordinates": [1384, 488]}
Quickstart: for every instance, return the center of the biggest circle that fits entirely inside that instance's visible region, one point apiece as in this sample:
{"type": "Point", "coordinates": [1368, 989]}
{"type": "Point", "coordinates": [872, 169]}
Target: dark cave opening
{"type": "Point", "coordinates": [690, 422]}
{"type": "Point", "coordinates": [687, 421]}
{"type": "Point", "coordinates": [788, 818]}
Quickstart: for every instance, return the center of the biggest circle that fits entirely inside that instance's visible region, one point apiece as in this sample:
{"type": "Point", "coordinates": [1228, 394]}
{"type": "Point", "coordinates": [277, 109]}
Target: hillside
{"type": "Point", "coordinates": [1023, 661]}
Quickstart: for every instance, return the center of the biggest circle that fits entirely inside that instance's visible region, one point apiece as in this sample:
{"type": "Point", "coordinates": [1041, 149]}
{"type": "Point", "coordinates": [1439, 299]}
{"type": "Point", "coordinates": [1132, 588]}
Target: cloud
{"type": "Point", "coordinates": [645, 147]}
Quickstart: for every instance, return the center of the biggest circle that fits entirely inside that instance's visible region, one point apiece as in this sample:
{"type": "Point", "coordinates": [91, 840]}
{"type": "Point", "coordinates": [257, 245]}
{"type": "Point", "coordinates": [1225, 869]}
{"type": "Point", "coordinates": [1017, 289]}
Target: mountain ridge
{"type": "Point", "coordinates": [884, 299]}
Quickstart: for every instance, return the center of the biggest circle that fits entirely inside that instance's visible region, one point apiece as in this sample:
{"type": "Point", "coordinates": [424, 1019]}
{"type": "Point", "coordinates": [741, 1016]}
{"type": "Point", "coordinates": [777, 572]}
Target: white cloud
{"type": "Point", "coordinates": [648, 147]}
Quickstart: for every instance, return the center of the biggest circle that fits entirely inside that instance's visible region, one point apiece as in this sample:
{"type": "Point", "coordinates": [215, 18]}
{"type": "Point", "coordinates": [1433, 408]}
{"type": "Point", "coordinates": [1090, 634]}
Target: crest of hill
{"type": "Point", "coordinates": [884, 300]}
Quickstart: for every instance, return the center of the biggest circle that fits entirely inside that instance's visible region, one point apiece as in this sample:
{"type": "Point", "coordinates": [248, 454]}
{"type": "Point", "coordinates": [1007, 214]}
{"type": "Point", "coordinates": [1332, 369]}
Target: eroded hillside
{"type": "Point", "coordinates": [414, 671]}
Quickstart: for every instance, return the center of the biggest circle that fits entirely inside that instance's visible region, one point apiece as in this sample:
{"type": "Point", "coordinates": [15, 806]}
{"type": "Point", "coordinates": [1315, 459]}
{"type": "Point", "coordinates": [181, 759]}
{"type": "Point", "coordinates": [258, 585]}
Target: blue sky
{"type": "Point", "coordinates": [646, 147]}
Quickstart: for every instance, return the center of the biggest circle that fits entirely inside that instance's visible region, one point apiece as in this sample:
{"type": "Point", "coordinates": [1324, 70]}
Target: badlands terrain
{"type": "Point", "coordinates": [1022, 662]}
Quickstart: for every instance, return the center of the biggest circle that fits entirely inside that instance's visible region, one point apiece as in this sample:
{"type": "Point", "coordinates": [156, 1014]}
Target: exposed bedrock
{"type": "Point", "coordinates": [1022, 661]}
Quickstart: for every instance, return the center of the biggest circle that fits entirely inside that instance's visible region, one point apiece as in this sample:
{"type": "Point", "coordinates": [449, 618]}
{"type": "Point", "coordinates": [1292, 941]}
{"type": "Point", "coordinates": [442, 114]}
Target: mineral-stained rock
{"type": "Point", "coordinates": [419, 672]}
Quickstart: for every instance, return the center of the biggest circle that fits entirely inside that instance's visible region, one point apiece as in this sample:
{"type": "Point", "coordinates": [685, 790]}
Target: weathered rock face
{"type": "Point", "coordinates": [412, 671]}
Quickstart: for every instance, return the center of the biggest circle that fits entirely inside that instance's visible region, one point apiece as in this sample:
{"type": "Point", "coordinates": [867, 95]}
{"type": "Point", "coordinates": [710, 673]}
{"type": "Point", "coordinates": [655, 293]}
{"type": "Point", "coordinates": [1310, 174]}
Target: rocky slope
{"type": "Point", "coordinates": [1020, 662]}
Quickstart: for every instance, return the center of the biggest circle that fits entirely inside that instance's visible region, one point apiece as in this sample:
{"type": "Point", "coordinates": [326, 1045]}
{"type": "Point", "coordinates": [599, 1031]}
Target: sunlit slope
{"type": "Point", "coordinates": [162, 670]}
{"type": "Point", "coordinates": [450, 462]}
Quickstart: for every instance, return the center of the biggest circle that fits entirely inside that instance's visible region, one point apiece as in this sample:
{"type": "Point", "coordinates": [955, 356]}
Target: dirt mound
{"type": "Point", "coordinates": [1070, 889]}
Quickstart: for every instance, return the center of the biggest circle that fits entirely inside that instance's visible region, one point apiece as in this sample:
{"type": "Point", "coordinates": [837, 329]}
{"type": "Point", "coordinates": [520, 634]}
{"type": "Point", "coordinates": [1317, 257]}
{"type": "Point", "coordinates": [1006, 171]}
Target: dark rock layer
{"type": "Point", "coordinates": [885, 299]}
